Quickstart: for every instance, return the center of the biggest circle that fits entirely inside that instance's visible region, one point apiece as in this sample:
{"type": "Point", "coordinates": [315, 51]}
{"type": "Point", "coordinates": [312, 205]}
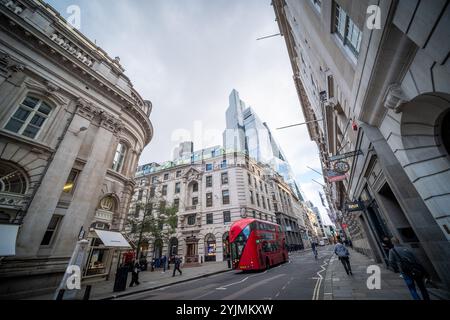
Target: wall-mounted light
{"type": "Point", "coordinates": [81, 130]}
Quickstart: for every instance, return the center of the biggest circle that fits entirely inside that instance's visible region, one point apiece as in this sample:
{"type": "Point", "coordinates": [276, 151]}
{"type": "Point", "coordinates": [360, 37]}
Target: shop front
{"type": "Point", "coordinates": [104, 246]}
{"type": "Point", "coordinates": [210, 247]}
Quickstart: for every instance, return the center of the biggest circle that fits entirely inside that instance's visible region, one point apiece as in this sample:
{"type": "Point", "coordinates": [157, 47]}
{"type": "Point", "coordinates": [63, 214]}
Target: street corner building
{"type": "Point", "coordinates": [210, 189]}
{"type": "Point", "coordinates": [374, 86]}
{"type": "Point", "coordinates": [71, 131]}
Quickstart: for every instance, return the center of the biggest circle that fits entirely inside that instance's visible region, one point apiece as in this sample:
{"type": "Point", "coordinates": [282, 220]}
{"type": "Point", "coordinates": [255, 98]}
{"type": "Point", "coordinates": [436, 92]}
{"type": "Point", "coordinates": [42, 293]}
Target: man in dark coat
{"type": "Point", "coordinates": [177, 264]}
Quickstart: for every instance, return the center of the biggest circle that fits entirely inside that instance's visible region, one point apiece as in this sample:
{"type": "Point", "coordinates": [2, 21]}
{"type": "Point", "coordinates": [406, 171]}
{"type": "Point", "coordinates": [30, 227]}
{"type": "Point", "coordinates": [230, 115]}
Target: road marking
{"type": "Point", "coordinates": [224, 287]}
{"type": "Point", "coordinates": [227, 285]}
{"type": "Point", "coordinates": [316, 291]}
{"type": "Point", "coordinates": [251, 287]}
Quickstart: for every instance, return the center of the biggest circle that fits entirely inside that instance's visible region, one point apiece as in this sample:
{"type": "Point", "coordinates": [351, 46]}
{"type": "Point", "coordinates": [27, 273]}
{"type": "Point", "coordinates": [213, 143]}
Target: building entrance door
{"type": "Point", "coordinates": [191, 251]}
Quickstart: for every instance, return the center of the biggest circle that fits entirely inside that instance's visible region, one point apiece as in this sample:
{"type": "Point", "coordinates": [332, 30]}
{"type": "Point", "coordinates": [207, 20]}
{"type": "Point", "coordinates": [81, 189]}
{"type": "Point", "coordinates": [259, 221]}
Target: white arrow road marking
{"type": "Point", "coordinates": [251, 287]}
{"type": "Point", "coordinates": [243, 280]}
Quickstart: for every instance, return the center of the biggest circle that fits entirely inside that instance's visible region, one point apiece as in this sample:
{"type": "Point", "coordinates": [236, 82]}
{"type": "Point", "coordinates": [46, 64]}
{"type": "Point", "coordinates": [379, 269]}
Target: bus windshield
{"type": "Point", "coordinates": [237, 246]}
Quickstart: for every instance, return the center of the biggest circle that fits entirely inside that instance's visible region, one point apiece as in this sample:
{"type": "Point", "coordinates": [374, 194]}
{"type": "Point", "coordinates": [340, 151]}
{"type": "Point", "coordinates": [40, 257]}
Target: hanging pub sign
{"type": "Point", "coordinates": [341, 167]}
{"type": "Point", "coordinates": [354, 206]}
{"type": "Point", "coordinates": [345, 155]}
{"type": "Point", "coordinates": [334, 176]}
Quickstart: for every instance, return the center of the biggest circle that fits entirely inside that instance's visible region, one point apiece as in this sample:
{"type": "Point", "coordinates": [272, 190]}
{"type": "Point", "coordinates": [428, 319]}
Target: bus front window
{"type": "Point", "coordinates": [237, 246]}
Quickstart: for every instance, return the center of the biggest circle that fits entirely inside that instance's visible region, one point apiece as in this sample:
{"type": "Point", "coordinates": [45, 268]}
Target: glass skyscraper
{"type": "Point", "coordinates": [246, 133]}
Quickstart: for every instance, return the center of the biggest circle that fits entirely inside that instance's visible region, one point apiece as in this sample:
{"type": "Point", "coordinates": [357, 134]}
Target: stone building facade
{"type": "Point", "coordinates": [211, 193]}
{"type": "Point", "coordinates": [373, 77]}
{"type": "Point", "coordinates": [71, 131]}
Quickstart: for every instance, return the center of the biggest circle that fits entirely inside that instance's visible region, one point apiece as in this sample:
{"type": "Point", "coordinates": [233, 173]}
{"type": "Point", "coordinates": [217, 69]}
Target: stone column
{"type": "Point", "coordinates": [47, 196]}
{"type": "Point", "coordinates": [85, 200]}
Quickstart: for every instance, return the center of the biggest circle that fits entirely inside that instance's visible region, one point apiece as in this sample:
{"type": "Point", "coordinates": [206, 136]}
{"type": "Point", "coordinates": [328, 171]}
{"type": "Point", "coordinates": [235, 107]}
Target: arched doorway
{"type": "Point", "coordinates": [157, 248]}
{"type": "Point", "coordinates": [210, 247]}
{"type": "Point", "coordinates": [425, 135]}
{"type": "Point", "coordinates": [226, 245]}
{"type": "Point", "coordinates": [173, 247]}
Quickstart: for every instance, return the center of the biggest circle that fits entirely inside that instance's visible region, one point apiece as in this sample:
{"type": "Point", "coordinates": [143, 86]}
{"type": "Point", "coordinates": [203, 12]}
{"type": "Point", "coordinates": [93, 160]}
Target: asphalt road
{"type": "Point", "coordinates": [298, 279]}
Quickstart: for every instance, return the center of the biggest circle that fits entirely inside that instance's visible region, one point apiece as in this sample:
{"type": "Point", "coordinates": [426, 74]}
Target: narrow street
{"type": "Point", "coordinates": [300, 279]}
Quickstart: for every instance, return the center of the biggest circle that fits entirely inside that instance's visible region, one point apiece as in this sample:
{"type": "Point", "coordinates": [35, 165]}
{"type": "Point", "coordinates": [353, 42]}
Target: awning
{"type": "Point", "coordinates": [112, 239]}
{"type": "Point", "coordinates": [8, 236]}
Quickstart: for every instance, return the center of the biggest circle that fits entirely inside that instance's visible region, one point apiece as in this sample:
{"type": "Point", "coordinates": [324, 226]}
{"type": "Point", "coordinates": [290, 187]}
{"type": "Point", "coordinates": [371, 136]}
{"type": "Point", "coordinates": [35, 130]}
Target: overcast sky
{"type": "Point", "coordinates": [187, 55]}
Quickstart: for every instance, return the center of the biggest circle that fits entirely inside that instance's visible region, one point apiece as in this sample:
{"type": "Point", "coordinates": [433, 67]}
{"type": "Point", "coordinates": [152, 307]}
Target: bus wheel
{"type": "Point", "coordinates": [267, 263]}
{"type": "Point", "coordinates": [284, 258]}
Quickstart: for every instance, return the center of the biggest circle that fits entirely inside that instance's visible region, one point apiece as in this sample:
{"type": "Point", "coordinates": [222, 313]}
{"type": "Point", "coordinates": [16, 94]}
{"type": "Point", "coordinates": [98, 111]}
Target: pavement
{"type": "Point", "coordinates": [340, 286]}
{"type": "Point", "coordinates": [149, 280]}
{"type": "Point", "coordinates": [302, 278]}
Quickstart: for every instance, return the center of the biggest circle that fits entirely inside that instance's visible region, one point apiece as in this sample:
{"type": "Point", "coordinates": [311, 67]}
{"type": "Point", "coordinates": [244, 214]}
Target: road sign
{"type": "Point", "coordinates": [346, 155]}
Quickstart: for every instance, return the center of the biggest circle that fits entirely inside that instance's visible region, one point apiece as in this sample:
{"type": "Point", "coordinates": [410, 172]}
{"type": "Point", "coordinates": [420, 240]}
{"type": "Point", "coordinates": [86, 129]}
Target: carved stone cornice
{"type": "Point", "coordinates": [105, 119]}
{"type": "Point", "coordinates": [192, 175]}
{"type": "Point", "coordinates": [8, 65]}
{"type": "Point", "coordinates": [86, 109]}
{"type": "Point", "coordinates": [110, 122]}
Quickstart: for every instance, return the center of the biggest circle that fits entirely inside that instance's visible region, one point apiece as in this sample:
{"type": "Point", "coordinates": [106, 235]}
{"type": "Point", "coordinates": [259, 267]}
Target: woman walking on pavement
{"type": "Point", "coordinates": [344, 256]}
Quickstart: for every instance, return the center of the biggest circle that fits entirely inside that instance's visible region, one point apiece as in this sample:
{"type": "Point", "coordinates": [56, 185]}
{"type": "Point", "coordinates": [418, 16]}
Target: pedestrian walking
{"type": "Point", "coordinates": [344, 256]}
{"type": "Point", "coordinates": [177, 263]}
{"type": "Point", "coordinates": [411, 270]}
{"type": "Point", "coordinates": [314, 249]}
{"type": "Point", "coordinates": [163, 262]}
{"type": "Point", "coordinates": [135, 275]}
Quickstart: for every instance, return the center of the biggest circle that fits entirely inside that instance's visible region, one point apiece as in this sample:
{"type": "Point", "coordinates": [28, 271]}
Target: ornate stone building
{"type": "Point", "coordinates": [211, 190]}
{"type": "Point", "coordinates": [71, 131]}
{"type": "Point", "coordinates": [373, 79]}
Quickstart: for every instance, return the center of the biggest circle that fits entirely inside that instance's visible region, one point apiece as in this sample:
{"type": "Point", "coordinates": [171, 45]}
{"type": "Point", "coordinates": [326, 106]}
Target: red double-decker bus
{"type": "Point", "coordinates": [256, 244]}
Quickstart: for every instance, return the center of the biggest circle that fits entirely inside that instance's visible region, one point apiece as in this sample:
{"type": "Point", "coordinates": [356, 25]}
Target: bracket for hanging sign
{"type": "Point", "coordinates": [346, 155]}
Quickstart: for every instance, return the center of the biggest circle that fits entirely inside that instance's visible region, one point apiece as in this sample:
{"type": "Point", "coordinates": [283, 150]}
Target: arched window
{"type": "Point", "coordinates": [12, 179]}
{"type": "Point", "coordinates": [119, 157]}
{"type": "Point", "coordinates": [29, 117]}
